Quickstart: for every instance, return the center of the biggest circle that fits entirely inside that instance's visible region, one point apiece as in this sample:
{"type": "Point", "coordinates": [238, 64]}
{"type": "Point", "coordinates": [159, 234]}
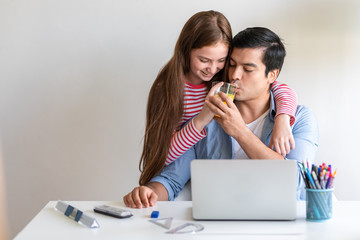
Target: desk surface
{"type": "Point", "coordinates": [51, 224]}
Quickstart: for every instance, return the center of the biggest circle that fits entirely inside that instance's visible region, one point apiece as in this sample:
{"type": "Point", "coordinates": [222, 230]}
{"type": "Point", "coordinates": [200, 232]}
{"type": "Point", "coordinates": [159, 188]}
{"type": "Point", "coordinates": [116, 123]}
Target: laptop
{"type": "Point", "coordinates": [244, 189]}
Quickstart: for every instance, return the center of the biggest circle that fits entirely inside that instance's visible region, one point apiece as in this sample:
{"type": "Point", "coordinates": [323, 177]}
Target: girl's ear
{"type": "Point", "coordinates": [272, 75]}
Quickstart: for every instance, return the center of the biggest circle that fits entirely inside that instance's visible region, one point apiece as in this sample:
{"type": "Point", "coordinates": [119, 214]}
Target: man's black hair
{"type": "Point", "coordinates": [260, 37]}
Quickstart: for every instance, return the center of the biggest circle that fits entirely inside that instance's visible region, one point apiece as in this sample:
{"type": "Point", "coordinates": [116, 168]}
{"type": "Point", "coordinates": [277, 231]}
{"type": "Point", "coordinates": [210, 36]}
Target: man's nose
{"type": "Point", "coordinates": [236, 74]}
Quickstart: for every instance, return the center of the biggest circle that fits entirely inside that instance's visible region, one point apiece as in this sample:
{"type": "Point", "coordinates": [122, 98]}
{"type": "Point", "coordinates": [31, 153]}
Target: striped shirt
{"type": "Point", "coordinates": [194, 97]}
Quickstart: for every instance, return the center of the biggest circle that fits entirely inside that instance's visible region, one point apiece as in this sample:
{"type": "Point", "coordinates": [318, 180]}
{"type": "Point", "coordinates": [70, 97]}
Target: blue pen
{"type": "Point", "coordinates": [328, 182]}
{"type": "Point", "coordinates": [312, 185]}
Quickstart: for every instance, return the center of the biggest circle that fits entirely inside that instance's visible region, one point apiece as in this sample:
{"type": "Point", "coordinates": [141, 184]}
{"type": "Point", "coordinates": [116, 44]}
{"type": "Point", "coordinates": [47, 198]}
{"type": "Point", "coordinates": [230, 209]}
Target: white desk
{"type": "Point", "coordinates": [51, 224]}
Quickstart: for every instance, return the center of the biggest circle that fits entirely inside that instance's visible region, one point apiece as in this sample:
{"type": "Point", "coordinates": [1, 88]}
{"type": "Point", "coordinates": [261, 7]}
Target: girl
{"type": "Point", "coordinates": [180, 89]}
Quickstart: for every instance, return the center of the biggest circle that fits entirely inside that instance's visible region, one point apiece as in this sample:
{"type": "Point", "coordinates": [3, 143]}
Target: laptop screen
{"type": "Point", "coordinates": [244, 189]}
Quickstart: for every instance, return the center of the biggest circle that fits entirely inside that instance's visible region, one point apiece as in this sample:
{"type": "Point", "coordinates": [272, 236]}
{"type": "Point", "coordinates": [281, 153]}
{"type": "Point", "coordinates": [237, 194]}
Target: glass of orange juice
{"type": "Point", "coordinates": [226, 88]}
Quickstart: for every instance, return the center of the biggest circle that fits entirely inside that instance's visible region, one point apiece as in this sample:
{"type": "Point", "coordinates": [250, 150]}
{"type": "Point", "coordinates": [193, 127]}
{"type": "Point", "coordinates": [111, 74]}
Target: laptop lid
{"type": "Point", "coordinates": [244, 189]}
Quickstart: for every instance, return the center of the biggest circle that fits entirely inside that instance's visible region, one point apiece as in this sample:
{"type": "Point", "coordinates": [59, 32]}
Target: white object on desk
{"type": "Point", "coordinates": [49, 225]}
{"type": "Point", "coordinates": [254, 189]}
{"type": "Point", "coordinates": [76, 215]}
{"type": "Point", "coordinates": [162, 222]}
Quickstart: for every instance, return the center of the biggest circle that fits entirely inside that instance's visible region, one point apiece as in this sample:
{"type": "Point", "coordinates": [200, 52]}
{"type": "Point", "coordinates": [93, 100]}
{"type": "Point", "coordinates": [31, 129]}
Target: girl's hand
{"type": "Point", "coordinates": [282, 140]}
{"type": "Point", "coordinates": [206, 115]}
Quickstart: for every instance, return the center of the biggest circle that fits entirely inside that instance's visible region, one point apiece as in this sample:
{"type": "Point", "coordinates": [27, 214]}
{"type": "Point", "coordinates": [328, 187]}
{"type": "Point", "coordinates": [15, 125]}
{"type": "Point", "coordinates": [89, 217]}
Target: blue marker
{"type": "Point", "coordinates": [312, 185]}
{"type": "Point", "coordinates": [328, 182]}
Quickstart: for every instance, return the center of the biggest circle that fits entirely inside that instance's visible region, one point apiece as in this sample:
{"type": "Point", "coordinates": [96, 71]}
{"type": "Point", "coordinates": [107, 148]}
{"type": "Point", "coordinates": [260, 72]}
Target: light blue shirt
{"type": "Point", "coordinates": [219, 145]}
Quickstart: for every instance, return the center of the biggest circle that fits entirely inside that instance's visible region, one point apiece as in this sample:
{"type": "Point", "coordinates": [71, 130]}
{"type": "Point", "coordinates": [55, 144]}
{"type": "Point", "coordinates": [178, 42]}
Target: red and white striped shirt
{"type": "Point", "coordinates": [285, 100]}
{"type": "Point", "coordinates": [194, 97]}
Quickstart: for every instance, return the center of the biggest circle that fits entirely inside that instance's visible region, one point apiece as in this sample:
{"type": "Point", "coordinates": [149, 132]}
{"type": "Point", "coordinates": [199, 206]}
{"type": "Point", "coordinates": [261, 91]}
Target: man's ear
{"type": "Point", "coordinates": [272, 75]}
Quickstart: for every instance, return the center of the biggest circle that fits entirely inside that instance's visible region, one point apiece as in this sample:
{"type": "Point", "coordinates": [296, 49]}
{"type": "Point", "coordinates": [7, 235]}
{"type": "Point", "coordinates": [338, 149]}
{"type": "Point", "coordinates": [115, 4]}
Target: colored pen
{"type": "Point", "coordinates": [327, 176]}
{"type": "Point", "coordinates": [314, 168]}
{"type": "Point", "coordinates": [312, 184]}
{"type": "Point", "coordinates": [332, 180]}
{"type": "Point", "coordinates": [303, 163]}
{"type": "Point", "coordinates": [317, 184]}
{"type": "Point", "coordinates": [328, 182]}
{"type": "Point", "coordinates": [307, 162]}
{"type": "Point", "coordinates": [322, 178]}
{"type": "Point", "coordinates": [305, 180]}
{"type": "Point", "coordinates": [317, 177]}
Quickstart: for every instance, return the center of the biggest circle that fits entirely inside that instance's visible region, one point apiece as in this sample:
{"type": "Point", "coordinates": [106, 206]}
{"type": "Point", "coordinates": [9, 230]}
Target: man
{"type": "Point", "coordinates": [244, 127]}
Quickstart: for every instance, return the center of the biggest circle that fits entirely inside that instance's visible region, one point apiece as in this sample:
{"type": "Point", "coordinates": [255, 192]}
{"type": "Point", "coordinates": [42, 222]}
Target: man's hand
{"type": "Point", "coordinates": [140, 196]}
{"type": "Point", "coordinates": [229, 116]}
{"type": "Point", "coordinates": [282, 140]}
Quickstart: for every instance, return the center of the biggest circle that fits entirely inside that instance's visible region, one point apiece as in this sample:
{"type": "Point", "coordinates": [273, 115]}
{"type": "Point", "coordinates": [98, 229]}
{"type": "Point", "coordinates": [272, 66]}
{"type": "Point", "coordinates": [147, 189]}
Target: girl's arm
{"type": "Point", "coordinates": [285, 99]}
{"type": "Point", "coordinates": [282, 140]}
{"type": "Point", "coordinates": [192, 132]}
{"type": "Point", "coordinates": [183, 140]}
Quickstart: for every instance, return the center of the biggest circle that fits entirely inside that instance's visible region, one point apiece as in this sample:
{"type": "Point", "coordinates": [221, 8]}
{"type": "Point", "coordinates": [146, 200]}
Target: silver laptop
{"type": "Point", "coordinates": [244, 189]}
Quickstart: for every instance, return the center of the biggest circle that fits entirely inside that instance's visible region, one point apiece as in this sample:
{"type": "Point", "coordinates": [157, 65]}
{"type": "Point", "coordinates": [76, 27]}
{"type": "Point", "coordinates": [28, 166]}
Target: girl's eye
{"type": "Point", "coordinates": [247, 70]}
{"type": "Point", "coordinates": [204, 60]}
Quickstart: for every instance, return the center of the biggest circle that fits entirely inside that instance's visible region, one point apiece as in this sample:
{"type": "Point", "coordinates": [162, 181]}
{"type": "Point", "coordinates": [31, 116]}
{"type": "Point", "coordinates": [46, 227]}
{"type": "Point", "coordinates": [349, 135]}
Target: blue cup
{"type": "Point", "coordinates": [318, 204]}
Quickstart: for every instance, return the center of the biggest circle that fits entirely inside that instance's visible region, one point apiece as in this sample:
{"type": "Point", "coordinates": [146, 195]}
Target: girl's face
{"type": "Point", "coordinates": [205, 62]}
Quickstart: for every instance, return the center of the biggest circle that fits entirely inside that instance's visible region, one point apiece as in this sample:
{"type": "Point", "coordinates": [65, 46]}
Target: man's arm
{"type": "Point", "coordinates": [233, 124]}
{"type": "Point", "coordinates": [254, 147]}
{"type": "Point", "coordinates": [174, 176]}
{"type": "Point", "coordinates": [146, 195]}
{"type": "Point", "coordinates": [306, 135]}
{"type": "Point", "coordinates": [165, 186]}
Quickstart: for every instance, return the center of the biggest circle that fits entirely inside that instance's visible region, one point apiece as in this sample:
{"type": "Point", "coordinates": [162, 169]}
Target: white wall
{"type": "Point", "coordinates": [75, 75]}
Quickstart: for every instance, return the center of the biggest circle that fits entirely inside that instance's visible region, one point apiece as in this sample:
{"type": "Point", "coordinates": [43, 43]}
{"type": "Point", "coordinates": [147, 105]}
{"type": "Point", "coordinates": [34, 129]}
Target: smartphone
{"type": "Point", "coordinates": [113, 211]}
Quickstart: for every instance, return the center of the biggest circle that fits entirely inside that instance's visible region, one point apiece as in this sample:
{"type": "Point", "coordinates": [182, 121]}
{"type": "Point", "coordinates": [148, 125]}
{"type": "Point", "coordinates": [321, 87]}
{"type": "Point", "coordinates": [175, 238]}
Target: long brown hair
{"type": "Point", "coordinates": [166, 97]}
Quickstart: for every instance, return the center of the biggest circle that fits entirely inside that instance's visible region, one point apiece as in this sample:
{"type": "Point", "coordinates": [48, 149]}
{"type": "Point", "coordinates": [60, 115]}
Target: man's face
{"type": "Point", "coordinates": [247, 72]}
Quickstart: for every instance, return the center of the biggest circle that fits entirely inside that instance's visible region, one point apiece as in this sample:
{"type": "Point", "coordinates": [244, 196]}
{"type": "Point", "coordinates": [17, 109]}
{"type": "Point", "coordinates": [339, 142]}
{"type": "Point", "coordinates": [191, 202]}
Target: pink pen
{"type": "Point", "coordinates": [327, 176]}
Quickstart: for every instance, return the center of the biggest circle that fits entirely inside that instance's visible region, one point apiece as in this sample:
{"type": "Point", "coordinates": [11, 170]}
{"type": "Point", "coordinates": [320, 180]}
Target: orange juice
{"type": "Point", "coordinates": [226, 88]}
{"type": "Point", "coordinates": [232, 96]}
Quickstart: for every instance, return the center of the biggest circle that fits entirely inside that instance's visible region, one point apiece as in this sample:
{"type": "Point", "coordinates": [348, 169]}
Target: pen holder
{"type": "Point", "coordinates": [318, 204]}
